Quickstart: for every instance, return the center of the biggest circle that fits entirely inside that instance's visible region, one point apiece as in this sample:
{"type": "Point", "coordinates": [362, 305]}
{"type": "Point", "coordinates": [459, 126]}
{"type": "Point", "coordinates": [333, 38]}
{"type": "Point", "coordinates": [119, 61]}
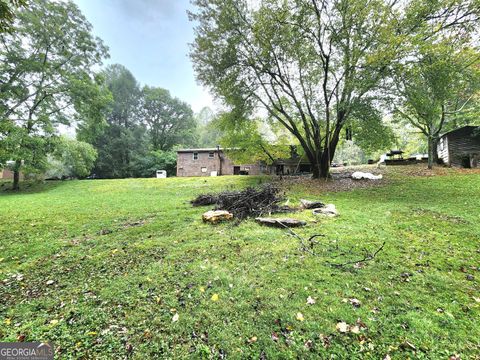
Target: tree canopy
{"type": "Point", "coordinates": [46, 64]}
{"type": "Point", "coordinates": [310, 63]}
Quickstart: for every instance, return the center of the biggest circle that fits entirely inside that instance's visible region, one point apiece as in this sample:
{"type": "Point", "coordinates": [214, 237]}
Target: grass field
{"type": "Point", "coordinates": [125, 268]}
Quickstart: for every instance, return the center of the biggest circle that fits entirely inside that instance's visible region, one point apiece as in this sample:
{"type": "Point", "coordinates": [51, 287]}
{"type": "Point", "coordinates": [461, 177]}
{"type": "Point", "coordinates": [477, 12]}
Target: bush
{"type": "Point", "coordinates": [147, 165]}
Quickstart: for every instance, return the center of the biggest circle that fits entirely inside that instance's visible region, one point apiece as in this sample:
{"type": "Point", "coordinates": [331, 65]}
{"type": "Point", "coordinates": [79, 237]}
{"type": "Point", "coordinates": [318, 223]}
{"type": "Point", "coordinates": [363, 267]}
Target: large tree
{"type": "Point", "coordinates": [309, 63]}
{"type": "Point", "coordinates": [436, 89]}
{"type": "Point", "coordinates": [46, 64]}
{"type": "Point", "coordinates": [123, 136]}
{"type": "Point", "coordinates": [169, 120]}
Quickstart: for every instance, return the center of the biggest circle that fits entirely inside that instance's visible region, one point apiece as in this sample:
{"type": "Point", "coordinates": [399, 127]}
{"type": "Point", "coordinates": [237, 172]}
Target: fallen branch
{"type": "Point", "coordinates": [311, 243]}
{"type": "Point", "coordinates": [367, 257]}
{"type": "Point", "coordinates": [310, 240]}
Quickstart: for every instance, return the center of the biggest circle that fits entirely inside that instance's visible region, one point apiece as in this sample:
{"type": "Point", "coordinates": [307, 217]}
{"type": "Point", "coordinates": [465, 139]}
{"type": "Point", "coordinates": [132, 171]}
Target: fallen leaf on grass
{"type": "Point", "coordinates": [252, 340]}
{"type": "Point", "coordinates": [300, 317]}
{"type": "Point", "coordinates": [54, 322]}
{"type": "Point", "coordinates": [310, 301]}
{"type": "Point", "coordinates": [342, 327]}
{"type": "Point", "coordinates": [355, 302]}
{"type": "Point", "coordinates": [308, 344]}
{"type": "Point", "coordinates": [215, 297]}
{"type": "Point", "coordinates": [325, 340]}
{"type": "Point", "coordinates": [202, 289]}
{"type": "Point", "coordinates": [274, 336]}
{"type": "Point", "coordinates": [8, 321]}
{"type": "Point", "coordinates": [476, 299]}
{"type": "Point", "coordinates": [175, 317]}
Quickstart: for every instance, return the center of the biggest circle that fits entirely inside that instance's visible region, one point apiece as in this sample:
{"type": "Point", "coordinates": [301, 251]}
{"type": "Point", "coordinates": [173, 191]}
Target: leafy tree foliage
{"type": "Point", "coordinates": [437, 90]}
{"type": "Point", "coordinates": [308, 63]}
{"type": "Point", "coordinates": [311, 63]}
{"type": "Point", "coordinates": [71, 158]}
{"type": "Point", "coordinates": [147, 164]}
{"type": "Point", "coordinates": [123, 136]}
{"type": "Point", "coordinates": [46, 66]}
{"type": "Point", "coordinates": [246, 142]}
{"type": "Point", "coordinates": [209, 134]}
{"type": "Point", "coordinates": [169, 120]}
{"type": "Point", "coordinates": [7, 13]}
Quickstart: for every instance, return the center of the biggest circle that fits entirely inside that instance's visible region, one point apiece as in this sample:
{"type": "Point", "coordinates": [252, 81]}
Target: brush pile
{"type": "Point", "coordinates": [250, 202]}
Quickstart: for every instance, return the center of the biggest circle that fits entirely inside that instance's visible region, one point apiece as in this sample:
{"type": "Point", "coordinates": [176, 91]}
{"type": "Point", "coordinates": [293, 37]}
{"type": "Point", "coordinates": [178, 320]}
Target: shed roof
{"type": "Point", "coordinates": [468, 128]}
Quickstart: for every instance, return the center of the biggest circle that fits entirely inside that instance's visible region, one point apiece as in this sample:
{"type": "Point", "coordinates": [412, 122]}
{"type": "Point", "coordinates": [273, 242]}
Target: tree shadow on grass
{"type": "Point", "coordinates": [30, 187]}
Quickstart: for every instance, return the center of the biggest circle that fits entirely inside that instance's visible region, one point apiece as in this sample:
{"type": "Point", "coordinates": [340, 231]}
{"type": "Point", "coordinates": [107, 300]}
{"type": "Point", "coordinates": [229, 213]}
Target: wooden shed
{"type": "Point", "coordinates": [460, 147]}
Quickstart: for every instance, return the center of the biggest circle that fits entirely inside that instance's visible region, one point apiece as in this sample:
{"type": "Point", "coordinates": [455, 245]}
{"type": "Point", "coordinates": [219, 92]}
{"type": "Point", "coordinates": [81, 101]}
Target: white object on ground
{"type": "Point", "coordinates": [161, 174]}
{"type": "Point", "coordinates": [358, 175]}
{"type": "Point", "coordinates": [328, 210]}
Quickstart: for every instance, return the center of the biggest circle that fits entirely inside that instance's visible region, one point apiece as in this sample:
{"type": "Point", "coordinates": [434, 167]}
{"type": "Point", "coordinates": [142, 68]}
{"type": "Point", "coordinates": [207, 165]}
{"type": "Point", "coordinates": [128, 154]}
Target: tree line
{"type": "Point", "coordinates": [47, 81]}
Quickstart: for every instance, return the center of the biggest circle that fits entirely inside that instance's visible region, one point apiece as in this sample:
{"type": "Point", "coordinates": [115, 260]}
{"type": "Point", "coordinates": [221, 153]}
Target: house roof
{"type": "Point", "coordinates": [199, 150]}
{"type": "Point", "coordinates": [461, 129]}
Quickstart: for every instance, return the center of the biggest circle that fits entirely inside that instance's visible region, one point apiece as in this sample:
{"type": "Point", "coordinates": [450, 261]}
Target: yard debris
{"type": "Point", "coordinates": [327, 210]}
{"type": "Point", "coordinates": [359, 175]}
{"type": "Point", "coordinates": [309, 204]}
{"type": "Point", "coordinates": [249, 202]}
{"type": "Point", "coordinates": [175, 317]}
{"type": "Point", "coordinates": [284, 222]}
{"type": "Point", "coordinates": [215, 216]}
{"type": "Point", "coordinates": [310, 300]}
{"type": "Point", "coordinates": [206, 199]}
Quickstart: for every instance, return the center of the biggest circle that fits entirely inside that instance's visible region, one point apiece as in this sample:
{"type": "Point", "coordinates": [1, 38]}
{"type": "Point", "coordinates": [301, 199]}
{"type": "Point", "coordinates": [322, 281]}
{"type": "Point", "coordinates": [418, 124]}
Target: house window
{"type": "Point", "coordinates": [211, 155]}
{"type": "Point", "coordinates": [195, 156]}
{"type": "Point", "coordinates": [204, 169]}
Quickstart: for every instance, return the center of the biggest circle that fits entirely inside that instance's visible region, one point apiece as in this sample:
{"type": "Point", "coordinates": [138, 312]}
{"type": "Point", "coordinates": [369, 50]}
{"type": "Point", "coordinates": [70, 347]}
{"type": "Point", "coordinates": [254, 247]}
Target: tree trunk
{"type": "Point", "coordinates": [16, 175]}
{"type": "Point", "coordinates": [431, 151]}
{"type": "Point", "coordinates": [435, 153]}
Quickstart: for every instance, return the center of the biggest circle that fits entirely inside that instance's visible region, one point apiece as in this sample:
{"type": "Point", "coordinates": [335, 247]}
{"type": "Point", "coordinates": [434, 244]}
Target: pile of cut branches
{"type": "Point", "coordinates": [250, 202]}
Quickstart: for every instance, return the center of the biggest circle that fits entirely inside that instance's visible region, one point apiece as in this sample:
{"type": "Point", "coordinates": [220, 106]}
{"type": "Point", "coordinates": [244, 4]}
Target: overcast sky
{"type": "Point", "coordinates": [150, 38]}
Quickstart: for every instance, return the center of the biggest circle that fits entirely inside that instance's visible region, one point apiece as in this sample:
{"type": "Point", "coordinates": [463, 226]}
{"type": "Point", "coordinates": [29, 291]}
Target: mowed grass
{"type": "Point", "coordinates": [102, 269]}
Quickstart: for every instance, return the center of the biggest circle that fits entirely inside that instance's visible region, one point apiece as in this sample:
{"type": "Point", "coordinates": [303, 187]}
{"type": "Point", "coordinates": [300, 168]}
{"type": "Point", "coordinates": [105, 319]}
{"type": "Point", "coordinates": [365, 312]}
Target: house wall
{"type": "Point", "coordinates": [6, 174]}
{"type": "Point", "coordinates": [187, 166]}
{"type": "Point", "coordinates": [462, 144]}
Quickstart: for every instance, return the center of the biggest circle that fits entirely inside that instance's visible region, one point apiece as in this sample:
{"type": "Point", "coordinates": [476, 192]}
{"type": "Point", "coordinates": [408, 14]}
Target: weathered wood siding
{"type": "Point", "coordinates": [442, 150]}
{"type": "Point", "coordinates": [461, 145]}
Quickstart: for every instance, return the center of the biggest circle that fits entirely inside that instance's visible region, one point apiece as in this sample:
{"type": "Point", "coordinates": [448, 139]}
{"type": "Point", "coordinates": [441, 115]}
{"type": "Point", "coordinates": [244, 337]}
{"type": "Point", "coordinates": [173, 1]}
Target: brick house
{"type": "Point", "coordinates": [213, 161]}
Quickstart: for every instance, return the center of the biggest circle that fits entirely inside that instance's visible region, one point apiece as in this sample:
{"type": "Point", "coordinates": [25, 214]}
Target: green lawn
{"type": "Point", "coordinates": [103, 267]}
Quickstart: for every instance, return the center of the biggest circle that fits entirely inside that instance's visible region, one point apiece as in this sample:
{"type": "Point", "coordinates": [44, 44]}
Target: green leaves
{"type": "Point", "coordinates": [45, 69]}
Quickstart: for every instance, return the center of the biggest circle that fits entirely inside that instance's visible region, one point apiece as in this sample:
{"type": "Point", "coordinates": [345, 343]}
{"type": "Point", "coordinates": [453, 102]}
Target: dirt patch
{"type": "Point", "coordinates": [340, 181]}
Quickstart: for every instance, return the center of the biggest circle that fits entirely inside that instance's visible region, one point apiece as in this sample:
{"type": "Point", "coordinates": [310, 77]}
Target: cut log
{"type": "Point", "coordinates": [215, 216]}
{"type": "Point", "coordinates": [328, 210]}
{"type": "Point", "coordinates": [284, 222]}
{"type": "Point", "coordinates": [309, 204]}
